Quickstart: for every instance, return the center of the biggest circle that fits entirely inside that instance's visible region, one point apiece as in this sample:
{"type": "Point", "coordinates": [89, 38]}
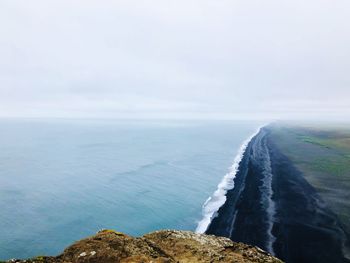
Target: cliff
{"type": "Point", "coordinates": [157, 247]}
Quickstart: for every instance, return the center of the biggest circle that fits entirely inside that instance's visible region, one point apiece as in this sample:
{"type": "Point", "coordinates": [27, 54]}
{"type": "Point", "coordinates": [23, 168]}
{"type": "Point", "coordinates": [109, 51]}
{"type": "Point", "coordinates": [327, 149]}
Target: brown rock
{"type": "Point", "coordinates": [166, 246]}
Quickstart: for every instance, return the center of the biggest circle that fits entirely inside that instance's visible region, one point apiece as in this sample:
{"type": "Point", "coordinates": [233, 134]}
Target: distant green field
{"type": "Point", "coordinates": [323, 155]}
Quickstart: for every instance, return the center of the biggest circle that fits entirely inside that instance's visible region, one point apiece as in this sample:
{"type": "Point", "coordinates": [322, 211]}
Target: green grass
{"type": "Point", "coordinates": [323, 156]}
{"type": "Point", "coordinates": [313, 140]}
{"type": "Point", "coordinates": [336, 166]}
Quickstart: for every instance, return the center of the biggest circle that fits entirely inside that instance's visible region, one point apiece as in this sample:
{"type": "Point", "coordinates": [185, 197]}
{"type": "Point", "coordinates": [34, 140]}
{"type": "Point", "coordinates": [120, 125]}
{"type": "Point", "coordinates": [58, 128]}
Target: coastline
{"type": "Point", "coordinates": [218, 198]}
{"type": "Point", "coordinates": [272, 206]}
{"type": "Point", "coordinates": [164, 173]}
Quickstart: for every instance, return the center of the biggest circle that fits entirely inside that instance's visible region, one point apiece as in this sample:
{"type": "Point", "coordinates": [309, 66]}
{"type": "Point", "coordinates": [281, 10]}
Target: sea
{"type": "Point", "coordinates": [63, 180]}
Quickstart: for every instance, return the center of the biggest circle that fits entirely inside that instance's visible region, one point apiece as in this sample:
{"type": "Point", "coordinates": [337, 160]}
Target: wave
{"type": "Point", "coordinates": [214, 202]}
{"type": "Point", "coordinates": [266, 198]}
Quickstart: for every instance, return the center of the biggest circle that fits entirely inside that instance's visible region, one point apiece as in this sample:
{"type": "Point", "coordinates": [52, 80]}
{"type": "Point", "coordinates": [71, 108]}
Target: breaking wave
{"type": "Point", "coordinates": [214, 202]}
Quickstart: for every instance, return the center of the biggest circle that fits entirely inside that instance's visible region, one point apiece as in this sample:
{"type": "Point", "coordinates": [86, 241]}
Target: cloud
{"type": "Point", "coordinates": [174, 59]}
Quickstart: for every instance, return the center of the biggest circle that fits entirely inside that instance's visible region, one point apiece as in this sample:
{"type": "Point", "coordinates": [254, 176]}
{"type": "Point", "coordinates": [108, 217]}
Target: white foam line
{"type": "Point", "coordinates": [267, 201]}
{"type": "Point", "coordinates": [214, 202]}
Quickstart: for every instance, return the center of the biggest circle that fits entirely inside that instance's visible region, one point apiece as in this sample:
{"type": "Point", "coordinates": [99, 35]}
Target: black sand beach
{"type": "Point", "coordinates": [272, 206]}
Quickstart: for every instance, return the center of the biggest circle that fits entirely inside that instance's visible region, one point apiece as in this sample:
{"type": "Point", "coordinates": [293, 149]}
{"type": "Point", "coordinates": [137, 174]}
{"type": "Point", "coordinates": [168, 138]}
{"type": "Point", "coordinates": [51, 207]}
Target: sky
{"type": "Point", "coordinates": [192, 59]}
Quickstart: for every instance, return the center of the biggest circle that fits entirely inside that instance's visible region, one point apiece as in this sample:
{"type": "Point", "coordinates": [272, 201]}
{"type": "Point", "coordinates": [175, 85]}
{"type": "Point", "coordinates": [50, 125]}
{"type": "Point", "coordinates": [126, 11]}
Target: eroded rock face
{"type": "Point", "coordinates": [169, 246]}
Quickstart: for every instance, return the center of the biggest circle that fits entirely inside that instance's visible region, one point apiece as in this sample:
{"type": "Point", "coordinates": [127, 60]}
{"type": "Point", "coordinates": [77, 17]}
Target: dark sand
{"type": "Point", "coordinates": [294, 223]}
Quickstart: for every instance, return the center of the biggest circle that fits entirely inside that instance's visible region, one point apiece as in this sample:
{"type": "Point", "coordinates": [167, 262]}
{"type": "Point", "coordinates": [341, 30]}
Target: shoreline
{"type": "Point", "coordinates": [272, 206]}
{"type": "Point", "coordinates": [212, 205]}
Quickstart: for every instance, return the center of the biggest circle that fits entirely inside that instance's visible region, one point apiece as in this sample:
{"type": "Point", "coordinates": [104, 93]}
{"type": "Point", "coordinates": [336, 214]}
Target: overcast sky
{"type": "Point", "coordinates": [236, 59]}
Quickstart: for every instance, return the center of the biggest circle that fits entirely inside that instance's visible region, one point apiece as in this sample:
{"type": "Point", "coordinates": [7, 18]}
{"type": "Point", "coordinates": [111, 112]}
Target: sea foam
{"type": "Point", "coordinates": [214, 202]}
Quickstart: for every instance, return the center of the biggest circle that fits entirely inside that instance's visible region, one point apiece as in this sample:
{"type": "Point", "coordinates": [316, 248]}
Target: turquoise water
{"type": "Point", "coordinates": [61, 180]}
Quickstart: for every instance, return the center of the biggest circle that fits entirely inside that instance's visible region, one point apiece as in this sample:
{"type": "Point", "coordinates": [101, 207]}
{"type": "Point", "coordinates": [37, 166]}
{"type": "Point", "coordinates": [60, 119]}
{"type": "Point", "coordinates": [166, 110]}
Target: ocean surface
{"type": "Point", "coordinates": [63, 180]}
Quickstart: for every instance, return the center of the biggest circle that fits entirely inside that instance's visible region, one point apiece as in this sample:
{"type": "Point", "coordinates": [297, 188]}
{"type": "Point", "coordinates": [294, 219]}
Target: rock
{"type": "Point", "coordinates": [166, 246]}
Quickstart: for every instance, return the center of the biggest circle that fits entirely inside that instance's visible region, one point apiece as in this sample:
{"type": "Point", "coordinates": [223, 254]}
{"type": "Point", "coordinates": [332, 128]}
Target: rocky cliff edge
{"type": "Point", "coordinates": [169, 246]}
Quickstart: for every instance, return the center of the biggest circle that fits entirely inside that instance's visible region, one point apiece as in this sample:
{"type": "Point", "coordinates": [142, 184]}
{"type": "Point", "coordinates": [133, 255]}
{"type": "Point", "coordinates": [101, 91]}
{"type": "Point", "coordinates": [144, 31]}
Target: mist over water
{"type": "Point", "coordinates": [64, 180]}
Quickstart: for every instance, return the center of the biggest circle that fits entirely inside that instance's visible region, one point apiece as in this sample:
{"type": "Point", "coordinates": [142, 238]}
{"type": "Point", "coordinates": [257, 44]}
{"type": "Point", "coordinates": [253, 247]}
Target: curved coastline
{"type": "Point", "coordinates": [272, 206]}
{"type": "Point", "coordinates": [218, 198]}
